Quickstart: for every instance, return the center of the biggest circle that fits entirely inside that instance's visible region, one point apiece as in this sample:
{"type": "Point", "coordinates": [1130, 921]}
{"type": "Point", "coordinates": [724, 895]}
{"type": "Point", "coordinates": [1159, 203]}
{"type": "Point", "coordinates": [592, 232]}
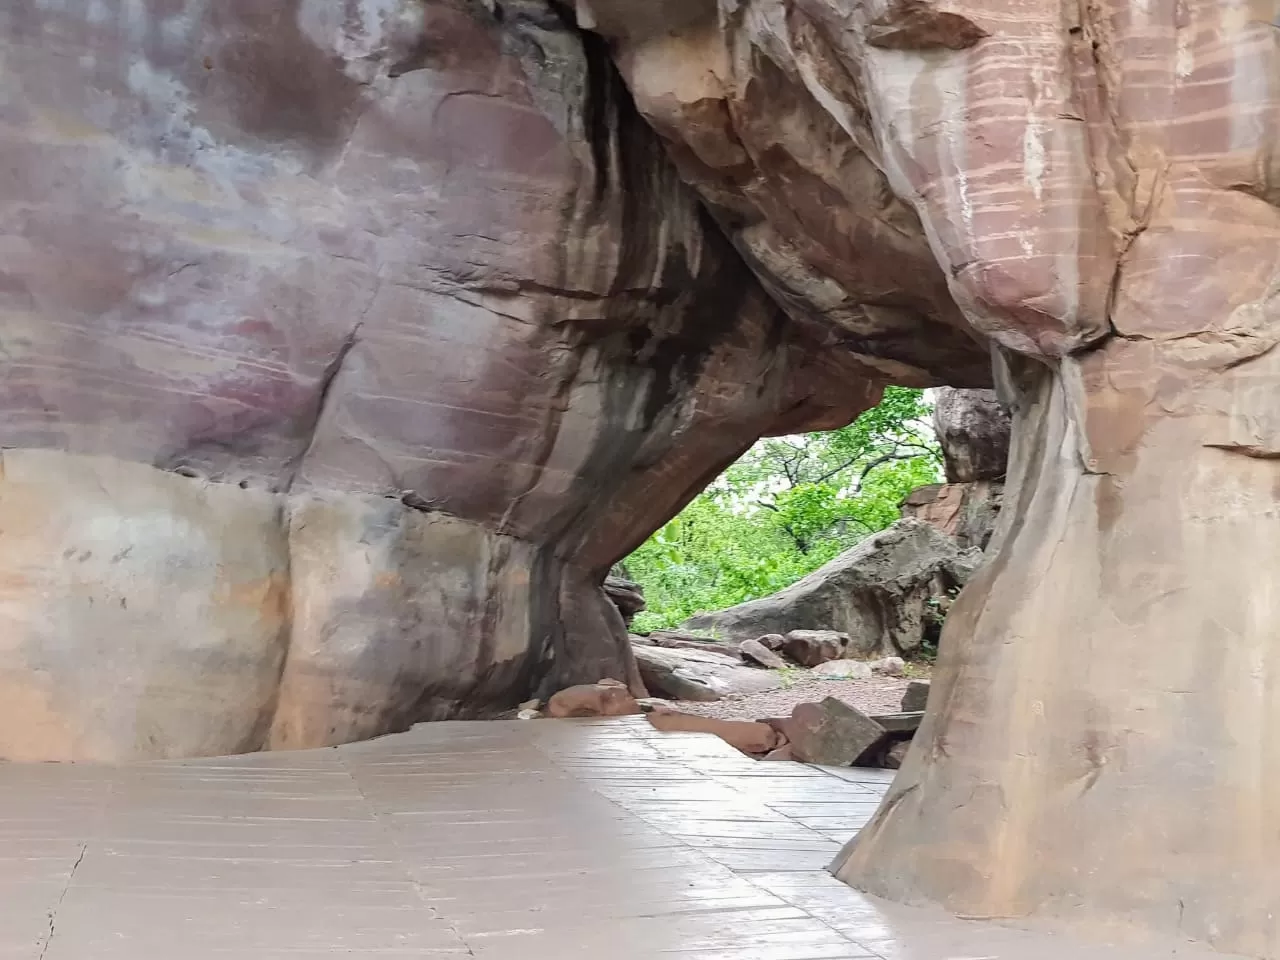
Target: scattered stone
{"type": "Point", "coordinates": [748, 736]}
{"type": "Point", "coordinates": [842, 670]}
{"type": "Point", "coordinates": [756, 652]}
{"type": "Point", "coordinates": [783, 752]}
{"type": "Point", "coordinates": [895, 754]}
{"type": "Point", "coordinates": [889, 666]}
{"type": "Point", "coordinates": [916, 697]}
{"type": "Point", "coordinates": [608, 698]}
{"type": "Point", "coordinates": [831, 733]}
{"type": "Point", "coordinates": [686, 674]}
{"type": "Point", "coordinates": [773, 641]}
{"type": "Point", "coordinates": [812, 647]}
{"type": "Point", "coordinates": [529, 715]}
{"type": "Point", "coordinates": [531, 705]}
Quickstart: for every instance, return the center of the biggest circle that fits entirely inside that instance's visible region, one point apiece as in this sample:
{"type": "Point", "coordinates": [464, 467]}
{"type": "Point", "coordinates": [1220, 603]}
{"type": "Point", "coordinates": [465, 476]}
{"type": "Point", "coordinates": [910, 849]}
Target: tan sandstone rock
{"type": "Point", "coordinates": [608, 698]}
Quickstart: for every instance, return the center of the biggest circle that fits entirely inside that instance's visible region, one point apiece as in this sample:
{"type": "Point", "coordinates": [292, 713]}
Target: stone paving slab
{"type": "Point", "coordinates": [503, 841]}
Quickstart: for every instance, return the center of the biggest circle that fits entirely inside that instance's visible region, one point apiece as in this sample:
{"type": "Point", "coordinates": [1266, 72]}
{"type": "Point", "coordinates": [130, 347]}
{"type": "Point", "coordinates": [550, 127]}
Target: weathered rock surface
{"type": "Point", "coordinates": [344, 348]}
{"type": "Point", "coordinates": [756, 652]}
{"type": "Point", "coordinates": [608, 698]}
{"type": "Point", "coordinates": [830, 733]}
{"type": "Point", "coordinates": [684, 674]}
{"type": "Point", "coordinates": [341, 354]}
{"type": "Point", "coordinates": [916, 697]}
{"type": "Point", "coordinates": [843, 670]}
{"type": "Point", "coordinates": [627, 596]}
{"type": "Point", "coordinates": [966, 512]}
{"type": "Point", "coordinates": [973, 429]}
{"type": "Point", "coordinates": [810, 648]}
{"type": "Point", "coordinates": [875, 592]}
{"type": "Point", "coordinates": [888, 666]}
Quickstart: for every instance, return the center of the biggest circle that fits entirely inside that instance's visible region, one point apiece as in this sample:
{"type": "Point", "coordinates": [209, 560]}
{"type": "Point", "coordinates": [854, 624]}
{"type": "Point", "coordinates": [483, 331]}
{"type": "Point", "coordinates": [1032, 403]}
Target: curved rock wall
{"type": "Point", "coordinates": [1097, 182]}
{"type": "Point", "coordinates": [342, 349]}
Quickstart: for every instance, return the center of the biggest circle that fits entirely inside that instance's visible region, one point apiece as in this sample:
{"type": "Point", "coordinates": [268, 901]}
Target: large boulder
{"type": "Point", "coordinates": [966, 512]}
{"type": "Point", "coordinates": [876, 592]}
{"type": "Point", "coordinates": [830, 733]}
{"type": "Point", "coordinates": [973, 428]}
{"type": "Point", "coordinates": [684, 674]}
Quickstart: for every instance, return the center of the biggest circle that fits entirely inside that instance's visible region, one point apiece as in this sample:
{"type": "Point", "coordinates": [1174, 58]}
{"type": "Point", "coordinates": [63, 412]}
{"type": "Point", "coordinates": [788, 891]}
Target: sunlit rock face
{"type": "Point", "coordinates": [343, 346]}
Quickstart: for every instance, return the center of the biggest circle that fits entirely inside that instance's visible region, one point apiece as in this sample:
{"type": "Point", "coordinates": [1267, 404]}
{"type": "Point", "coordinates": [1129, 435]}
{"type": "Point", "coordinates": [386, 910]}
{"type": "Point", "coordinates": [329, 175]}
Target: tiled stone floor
{"type": "Point", "coordinates": [503, 841]}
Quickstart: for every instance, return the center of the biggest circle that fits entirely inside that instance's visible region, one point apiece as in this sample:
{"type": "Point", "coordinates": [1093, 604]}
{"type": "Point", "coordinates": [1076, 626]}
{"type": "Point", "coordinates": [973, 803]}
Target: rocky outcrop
{"type": "Point", "coordinates": [626, 595]}
{"type": "Point", "coordinates": [345, 347]}
{"type": "Point", "coordinates": [965, 512]}
{"type": "Point", "coordinates": [876, 592]}
{"type": "Point", "coordinates": [973, 429]}
{"type": "Point", "coordinates": [830, 733]}
{"type": "Point", "coordinates": [342, 351]}
{"type": "Point", "coordinates": [686, 674]}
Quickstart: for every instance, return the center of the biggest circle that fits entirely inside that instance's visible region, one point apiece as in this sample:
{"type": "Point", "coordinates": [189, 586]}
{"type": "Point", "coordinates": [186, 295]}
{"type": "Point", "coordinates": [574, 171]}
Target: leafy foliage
{"type": "Point", "coordinates": [787, 507]}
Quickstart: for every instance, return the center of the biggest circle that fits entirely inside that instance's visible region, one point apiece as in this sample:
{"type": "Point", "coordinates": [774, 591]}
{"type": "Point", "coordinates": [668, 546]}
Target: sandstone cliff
{"type": "Point", "coordinates": [345, 346]}
{"type": "Point", "coordinates": [343, 350]}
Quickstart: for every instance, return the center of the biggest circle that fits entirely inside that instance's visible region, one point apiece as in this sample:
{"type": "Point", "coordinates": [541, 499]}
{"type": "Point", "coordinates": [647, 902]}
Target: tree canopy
{"type": "Point", "coordinates": [786, 507]}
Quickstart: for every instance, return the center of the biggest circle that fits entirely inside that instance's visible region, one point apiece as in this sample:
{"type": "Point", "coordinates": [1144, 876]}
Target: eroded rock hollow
{"type": "Point", "coordinates": [345, 346]}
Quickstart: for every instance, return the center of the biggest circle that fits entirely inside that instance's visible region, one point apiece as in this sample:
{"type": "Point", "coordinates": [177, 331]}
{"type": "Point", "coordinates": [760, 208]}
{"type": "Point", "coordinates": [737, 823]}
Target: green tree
{"type": "Point", "coordinates": [786, 507]}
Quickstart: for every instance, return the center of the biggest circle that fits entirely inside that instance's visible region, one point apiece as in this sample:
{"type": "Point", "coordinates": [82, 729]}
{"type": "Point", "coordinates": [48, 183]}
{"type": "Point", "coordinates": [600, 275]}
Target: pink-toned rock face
{"type": "Point", "coordinates": [1092, 188]}
{"type": "Point", "coordinates": [343, 346]}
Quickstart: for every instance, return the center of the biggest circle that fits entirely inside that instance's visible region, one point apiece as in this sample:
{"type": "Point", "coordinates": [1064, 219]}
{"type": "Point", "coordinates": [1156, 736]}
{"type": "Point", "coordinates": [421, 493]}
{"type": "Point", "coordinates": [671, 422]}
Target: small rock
{"type": "Point", "coordinates": [531, 705]}
{"type": "Point", "coordinates": [746, 735]}
{"type": "Point", "coordinates": [896, 753]}
{"type": "Point", "coordinates": [529, 715]}
{"type": "Point", "coordinates": [773, 641]}
{"type": "Point", "coordinates": [608, 698]}
{"type": "Point", "coordinates": [916, 697]}
{"type": "Point", "coordinates": [757, 652]}
{"type": "Point", "coordinates": [655, 705]}
{"type": "Point", "coordinates": [889, 666]}
{"type": "Point", "coordinates": [781, 753]}
{"type": "Point", "coordinates": [628, 597]}
{"type": "Point", "coordinates": [812, 647]}
{"type": "Point", "coordinates": [842, 670]}
{"type": "Point", "coordinates": [831, 733]}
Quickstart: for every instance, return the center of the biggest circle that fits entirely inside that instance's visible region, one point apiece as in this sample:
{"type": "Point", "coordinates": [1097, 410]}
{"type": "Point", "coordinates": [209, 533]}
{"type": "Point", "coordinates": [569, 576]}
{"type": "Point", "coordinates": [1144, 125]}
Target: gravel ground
{"type": "Point", "coordinates": [877, 695]}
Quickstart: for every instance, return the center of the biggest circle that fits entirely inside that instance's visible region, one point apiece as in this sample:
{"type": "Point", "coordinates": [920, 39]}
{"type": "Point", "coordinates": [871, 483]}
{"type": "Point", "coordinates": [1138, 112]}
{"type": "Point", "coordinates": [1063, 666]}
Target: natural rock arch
{"type": "Point", "coordinates": [344, 347]}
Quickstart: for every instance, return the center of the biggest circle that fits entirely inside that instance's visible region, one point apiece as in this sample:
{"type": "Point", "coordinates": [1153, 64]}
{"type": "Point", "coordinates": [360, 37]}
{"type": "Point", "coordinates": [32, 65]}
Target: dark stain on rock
{"type": "Point", "coordinates": [273, 82]}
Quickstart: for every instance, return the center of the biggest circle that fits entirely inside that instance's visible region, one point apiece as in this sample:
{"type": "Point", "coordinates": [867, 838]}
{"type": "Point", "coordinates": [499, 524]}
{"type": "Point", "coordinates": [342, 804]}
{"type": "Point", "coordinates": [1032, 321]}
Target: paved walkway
{"type": "Point", "coordinates": [504, 841]}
